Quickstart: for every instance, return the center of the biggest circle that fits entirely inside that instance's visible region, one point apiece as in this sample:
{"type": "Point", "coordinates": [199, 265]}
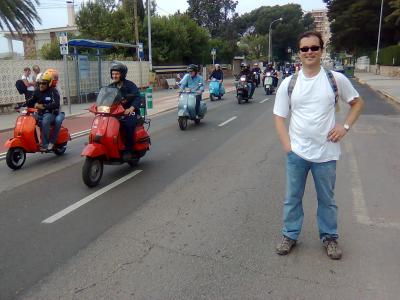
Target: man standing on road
{"type": "Point", "coordinates": [312, 142]}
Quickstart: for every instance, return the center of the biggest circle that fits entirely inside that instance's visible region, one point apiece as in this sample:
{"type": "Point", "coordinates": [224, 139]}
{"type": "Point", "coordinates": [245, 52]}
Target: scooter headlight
{"type": "Point", "coordinates": [103, 109]}
{"type": "Point", "coordinates": [268, 74]}
{"type": "Point", "coordinates": [242, 79]}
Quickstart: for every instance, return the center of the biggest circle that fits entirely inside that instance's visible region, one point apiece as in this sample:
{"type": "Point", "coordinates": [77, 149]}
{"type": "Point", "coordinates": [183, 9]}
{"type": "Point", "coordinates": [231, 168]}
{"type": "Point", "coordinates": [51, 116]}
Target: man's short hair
{"type": "Point", "coordinates": [309, 34]}
{"type": "Point", "coordinates": [26, 69]}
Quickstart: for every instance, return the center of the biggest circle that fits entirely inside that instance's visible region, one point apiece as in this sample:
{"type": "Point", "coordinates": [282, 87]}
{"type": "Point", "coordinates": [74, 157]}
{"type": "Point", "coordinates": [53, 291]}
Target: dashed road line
{"type": "Point", "coordinates": [89, 198]}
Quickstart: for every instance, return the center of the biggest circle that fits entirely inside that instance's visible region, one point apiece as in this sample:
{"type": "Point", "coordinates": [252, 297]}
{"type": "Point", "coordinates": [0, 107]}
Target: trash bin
{"type": "Point", "coordinates": [349, 71]}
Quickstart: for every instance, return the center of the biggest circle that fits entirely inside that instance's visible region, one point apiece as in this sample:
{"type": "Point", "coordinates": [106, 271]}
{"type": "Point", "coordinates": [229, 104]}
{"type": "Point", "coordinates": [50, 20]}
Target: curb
{"type": "Point", "coordinates": [387, 95]}
{"type": "Point", "coordinates": [86, 131]}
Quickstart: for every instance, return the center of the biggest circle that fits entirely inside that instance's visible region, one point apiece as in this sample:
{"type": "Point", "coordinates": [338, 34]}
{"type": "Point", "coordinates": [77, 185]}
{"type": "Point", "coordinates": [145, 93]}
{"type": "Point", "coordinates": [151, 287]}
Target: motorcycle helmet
{"type": "Point", "coordinates": [217, 66]}
{"type": "Point", "coordinates": [243, 65]}
{"type": "Point", "coordinates": [50, 76]}
{"type": "Point", "coordinates": [119, 67]}
{"type": "Point", "coordinates": [192, 67]}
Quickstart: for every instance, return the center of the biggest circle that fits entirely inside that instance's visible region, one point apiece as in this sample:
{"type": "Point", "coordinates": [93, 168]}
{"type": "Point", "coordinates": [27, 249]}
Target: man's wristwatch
{"type": "Point", "coordinates": [346, 126]}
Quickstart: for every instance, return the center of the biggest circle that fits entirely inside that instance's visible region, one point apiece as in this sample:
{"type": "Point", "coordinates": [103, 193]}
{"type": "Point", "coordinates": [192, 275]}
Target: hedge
{"type": "Point", "coordinates": [386, 56]}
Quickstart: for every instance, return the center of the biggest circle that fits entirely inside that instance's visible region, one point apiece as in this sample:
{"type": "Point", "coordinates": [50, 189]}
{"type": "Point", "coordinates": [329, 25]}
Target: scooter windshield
{"type": "Point", "coordinates": [108, 96]}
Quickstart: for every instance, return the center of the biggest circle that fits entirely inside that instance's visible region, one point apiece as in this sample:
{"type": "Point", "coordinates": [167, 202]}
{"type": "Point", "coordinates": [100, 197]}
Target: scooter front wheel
{"type": "Point", "coordinates": [212, 97]}
{"type": "Point", "coordinates": [15, 158]}
{"type": "Point", "coordinates": [92, 171]}
{"type": "Point", "coordinates": [240, 99]}
{"type": "Point", "coordinates": [182, 121]}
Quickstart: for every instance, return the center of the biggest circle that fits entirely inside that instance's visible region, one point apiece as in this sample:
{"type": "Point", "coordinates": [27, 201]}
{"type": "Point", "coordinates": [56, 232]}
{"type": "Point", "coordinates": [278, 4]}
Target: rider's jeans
{"type": "Point", "coordinates": [198, 99]}
{"type": "Point", "coordinates": [129, 125]}
{"type": "Point", "coordinates": [252, 87]}
{"type": "Point", "coordinates": [324, 175]}
{"type": "Point", "coordinates": [46, 120]}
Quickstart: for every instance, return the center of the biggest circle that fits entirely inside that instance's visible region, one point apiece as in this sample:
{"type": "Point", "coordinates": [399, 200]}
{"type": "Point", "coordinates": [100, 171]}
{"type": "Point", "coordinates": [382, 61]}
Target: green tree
{"type": "Point", "coordinates": [177, 39]}
{"type": "Point", "coordinates": [254, 46]}
{"type": "Point", "coordinates": [211, 14]}
{"type": "Point", "coordinates": [284, 33]}
{"type": "Point", "coordinates": [153, 7]}
{"type": "Point", "coordinates": [355, 24]}
{"type": "Point", "coordinates": [395, 15]}
{"type": "Point", "coordinates": [18, 15]}
{"type": "Point", "coordinates": [51, 51]}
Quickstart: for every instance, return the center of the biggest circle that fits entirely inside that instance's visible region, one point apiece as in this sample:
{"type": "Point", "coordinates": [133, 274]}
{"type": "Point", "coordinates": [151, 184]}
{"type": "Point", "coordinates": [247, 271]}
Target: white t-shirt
{"type": "Point", "coordinates": [30, 80]}
{"type": "Point", "coordinates": [313, 113]}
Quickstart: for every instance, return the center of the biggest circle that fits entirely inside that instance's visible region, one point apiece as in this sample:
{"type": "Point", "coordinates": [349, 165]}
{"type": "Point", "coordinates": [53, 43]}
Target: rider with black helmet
{"type": "Point", "coordinates": [195, 82]}
{"type": "Point", "coordinates": [245, 70]}
{"type": "Point", "coordinates": [130, 101]}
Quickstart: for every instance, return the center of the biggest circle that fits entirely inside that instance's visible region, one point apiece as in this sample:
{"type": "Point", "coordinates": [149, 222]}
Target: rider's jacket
{"type": "Point", "coordinates": [50, 98]}
{"type": "Point", "coordinates": [248, 74]}
{"type": "Point", "coordinates": [128, 88]}
{"type": "Point", "coordinates": [195, 83]}
{"type": "Point", "coordinates": [217, 74]}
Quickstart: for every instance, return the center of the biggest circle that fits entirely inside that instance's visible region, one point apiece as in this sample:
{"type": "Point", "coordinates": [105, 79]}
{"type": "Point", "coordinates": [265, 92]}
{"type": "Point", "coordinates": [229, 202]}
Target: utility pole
{"type": "Point", "coordinates": [149, 32]}
{"type": "Point", "coordinates": [135, 19]}
{"type": "Point", "coordinates": [377, 70]}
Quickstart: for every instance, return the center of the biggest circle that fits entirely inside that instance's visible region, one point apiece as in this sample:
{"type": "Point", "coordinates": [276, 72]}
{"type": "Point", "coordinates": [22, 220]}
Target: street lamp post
{"type": "Point", "coordinates": [379, 38]}
{"type": "Point", "coordinates": [270, 39]}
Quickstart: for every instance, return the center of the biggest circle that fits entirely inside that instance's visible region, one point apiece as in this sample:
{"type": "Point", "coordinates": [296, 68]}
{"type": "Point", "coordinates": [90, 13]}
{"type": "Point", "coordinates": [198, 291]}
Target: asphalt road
{"type": "Point", "coordinates": [201, 219]}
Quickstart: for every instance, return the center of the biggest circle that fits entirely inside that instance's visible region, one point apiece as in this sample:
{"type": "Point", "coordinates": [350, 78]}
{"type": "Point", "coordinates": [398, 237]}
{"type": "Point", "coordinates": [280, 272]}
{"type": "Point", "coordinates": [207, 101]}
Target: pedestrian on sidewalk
{"type": "Point", "coordinates": [27, 78]}
{"type": "Point", "coordinates": [36, 71]}
{"type": "Point", "coordinates": [313, 141]}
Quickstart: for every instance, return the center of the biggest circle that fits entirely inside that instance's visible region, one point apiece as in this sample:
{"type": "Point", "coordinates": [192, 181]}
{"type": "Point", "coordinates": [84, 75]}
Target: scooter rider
{"type": "Point", "coordinates": [195, 82]}
{"type": "Point", "coordinates": [130, 101]}
{"type": "Point", "coordinates": [273, 72]}
{"type": "Point", "coordinates": [256, 69]}
{"type": "Point", "coordinates": [245, 70]}
{"type": "Point", "coordinates": [47, 100]}
{"type": "Point", "coordinates": [217, 73]}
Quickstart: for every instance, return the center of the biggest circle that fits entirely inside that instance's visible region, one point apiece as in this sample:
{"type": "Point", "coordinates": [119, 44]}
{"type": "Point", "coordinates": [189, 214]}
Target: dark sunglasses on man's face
{"type": "Point", "coordinates": [43, 83]}
{"type": "Point", "coordinates": [313, 48]}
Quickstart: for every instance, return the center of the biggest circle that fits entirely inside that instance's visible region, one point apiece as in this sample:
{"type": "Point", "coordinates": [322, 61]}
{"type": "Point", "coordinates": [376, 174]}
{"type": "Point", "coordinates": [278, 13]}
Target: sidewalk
{"type": "Point", "coordinates": [163, 100]}
{"type": "Point", "coordinates": [387, 86]}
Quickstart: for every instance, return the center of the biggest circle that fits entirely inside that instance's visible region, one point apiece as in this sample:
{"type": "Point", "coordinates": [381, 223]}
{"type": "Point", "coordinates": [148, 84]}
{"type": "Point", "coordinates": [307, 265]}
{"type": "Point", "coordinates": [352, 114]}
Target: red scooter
{"type": "Point", "coordinates": [26, 139]}
{"type": "Point", "coordinates": [106, 141]}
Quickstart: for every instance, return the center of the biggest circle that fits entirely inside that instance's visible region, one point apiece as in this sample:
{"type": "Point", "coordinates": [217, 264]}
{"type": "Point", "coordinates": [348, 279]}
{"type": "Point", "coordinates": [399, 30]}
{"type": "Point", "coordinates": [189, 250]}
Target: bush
{"type": "Point", "coordinates": [386, 56]}
{"type": "Point", "coordinates": [51, 51]}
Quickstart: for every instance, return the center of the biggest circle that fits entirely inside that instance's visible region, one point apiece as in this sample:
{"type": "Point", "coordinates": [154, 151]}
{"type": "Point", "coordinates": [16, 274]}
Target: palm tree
{"type": "Point", "coordinates": [18, 15]}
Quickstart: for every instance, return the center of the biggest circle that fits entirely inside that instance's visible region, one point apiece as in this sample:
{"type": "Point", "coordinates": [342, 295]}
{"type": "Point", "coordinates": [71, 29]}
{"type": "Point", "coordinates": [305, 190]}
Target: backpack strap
{"type": "Point", "coordinates": [333, 84]}
{"type": "Point", "coordinates": [291, 85]}
{"type": "Point", "coordinates": [331, 80]}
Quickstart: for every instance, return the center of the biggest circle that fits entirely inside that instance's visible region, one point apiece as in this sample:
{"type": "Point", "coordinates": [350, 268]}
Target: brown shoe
{"type": "Point", "coordinates": [285, 246]}
{"type": "Point", "coordinates": [332, 249]}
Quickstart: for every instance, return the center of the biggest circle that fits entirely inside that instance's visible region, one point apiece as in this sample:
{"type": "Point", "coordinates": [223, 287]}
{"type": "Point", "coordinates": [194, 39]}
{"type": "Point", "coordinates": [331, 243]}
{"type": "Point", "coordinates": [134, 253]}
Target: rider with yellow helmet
{"type": "Point", "coordinates": [47, 100]}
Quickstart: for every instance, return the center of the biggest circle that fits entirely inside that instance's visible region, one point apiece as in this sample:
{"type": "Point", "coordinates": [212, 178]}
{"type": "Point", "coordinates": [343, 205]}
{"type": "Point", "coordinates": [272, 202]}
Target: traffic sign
{"type": "Point", "coordinates": [140, 51]}
{"type": "Point", "coordinates": [63, 43]}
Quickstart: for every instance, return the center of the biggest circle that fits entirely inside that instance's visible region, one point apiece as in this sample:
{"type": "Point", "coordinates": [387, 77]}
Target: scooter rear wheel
{"type": "Point", "coordinates": [92, 171]}
{"type": "Point", "coordinates": [182, 121]}
{"type": "Point", "coordinates": [15, 158]}
{"type": "Point", "coordinates": [60, 150]}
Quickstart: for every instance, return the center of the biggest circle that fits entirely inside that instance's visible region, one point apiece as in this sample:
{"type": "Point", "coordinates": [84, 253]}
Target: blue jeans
{"type": "Point", "coordinates": [324, 175]}
{"type": "Point", "coordinates": [129, 125]}
{"type": "Point", "coordinates": [45, 122]}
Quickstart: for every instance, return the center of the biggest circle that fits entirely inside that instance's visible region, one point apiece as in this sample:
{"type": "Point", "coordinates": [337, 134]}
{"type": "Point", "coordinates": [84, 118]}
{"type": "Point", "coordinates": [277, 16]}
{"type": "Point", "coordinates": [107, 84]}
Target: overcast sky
{"type": "Point", "coordinates": [54, 13]}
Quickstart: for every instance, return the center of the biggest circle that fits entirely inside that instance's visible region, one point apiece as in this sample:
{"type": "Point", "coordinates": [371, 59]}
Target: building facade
{"type": "Point", "coordinates": [322, 25]}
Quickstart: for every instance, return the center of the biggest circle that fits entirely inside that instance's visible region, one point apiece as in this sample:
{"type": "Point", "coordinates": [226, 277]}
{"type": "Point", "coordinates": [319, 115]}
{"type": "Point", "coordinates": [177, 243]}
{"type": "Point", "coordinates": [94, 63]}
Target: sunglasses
{"type": "Point", "coordinates": [43, 83]}
{"type": "Point", "coordinates": [313, 48]}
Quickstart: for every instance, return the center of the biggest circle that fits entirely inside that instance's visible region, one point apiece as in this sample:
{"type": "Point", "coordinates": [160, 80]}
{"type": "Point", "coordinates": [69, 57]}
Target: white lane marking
{"type": "Point", "coordinates": [227, 121]}
{"type": "Point", "coordinates": [89, 198]}
{"type": "Point", "coordinates": [360, 206]}
{"type": "Point", "coordinates": [262, 101]}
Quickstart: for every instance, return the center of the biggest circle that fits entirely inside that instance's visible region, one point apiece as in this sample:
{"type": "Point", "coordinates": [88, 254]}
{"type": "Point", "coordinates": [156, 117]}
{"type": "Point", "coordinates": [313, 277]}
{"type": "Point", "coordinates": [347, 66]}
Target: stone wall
{"type": "Point", "coordinates": [386, 71]}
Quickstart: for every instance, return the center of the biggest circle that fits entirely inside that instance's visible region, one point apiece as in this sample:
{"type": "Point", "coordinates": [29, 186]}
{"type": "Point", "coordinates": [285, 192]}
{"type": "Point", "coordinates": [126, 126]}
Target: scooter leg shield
{"type": "Point", "coordinates": [14, 143]}
{"type": "Point", "coordinates": [94, 150]}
